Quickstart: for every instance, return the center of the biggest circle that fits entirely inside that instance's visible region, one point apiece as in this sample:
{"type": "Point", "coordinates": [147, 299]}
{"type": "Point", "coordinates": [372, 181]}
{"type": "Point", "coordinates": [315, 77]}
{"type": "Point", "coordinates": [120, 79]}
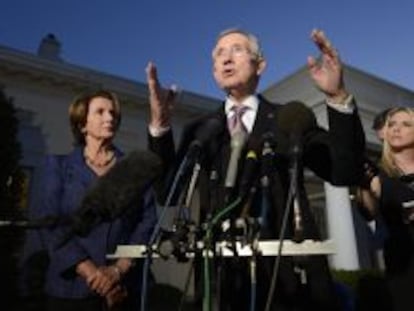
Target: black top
{"type": "Point", "coordinates": [397, 208]}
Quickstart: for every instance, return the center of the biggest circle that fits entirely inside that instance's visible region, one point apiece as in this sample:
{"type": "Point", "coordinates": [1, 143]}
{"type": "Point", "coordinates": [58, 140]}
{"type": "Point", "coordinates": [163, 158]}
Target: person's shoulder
{"type": "Point", "coordinates": [263, 100]}
{"type": "Point", "coordinates": [51, 168]}
{"type": "Point", "coordinates": [53, 159]}
{"type": "Point", "coordinates": [118, 152]}
{"type": "Point", "coordinates": [208, 115]}
{"type": "Point", "coordinates": [191, 126]}
{"type": "Point", "coordinates": [267, 106]}
{"type": "Point", "coordinates": [59, 160]}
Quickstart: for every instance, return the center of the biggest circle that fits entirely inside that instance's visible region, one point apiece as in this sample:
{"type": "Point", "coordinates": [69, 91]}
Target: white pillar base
{"type": "Point", "coordinates": [341, 228]}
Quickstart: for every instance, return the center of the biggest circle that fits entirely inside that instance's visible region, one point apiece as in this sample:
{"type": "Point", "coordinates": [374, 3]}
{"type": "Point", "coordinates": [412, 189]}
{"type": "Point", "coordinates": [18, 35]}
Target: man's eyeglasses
{"type": "Point", "coordinates": [235, 50]}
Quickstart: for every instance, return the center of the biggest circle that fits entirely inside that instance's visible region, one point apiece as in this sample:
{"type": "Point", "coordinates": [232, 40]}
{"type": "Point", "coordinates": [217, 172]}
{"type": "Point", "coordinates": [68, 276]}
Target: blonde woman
{"type": "Point", "coordinates": [391, 195]}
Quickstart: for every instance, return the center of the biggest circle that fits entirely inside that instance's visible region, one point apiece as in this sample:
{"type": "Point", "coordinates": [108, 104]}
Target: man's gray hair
{"type": "Point", "coordinates": [255, 47]}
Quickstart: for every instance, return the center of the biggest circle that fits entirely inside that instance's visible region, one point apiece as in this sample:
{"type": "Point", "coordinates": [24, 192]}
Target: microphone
{"type": "Point", "coordinates": [115, 192]}
{"type": "Point", "coordinates": [251, 164]}
{"type": "Point", "coordinates": [295, 118]}
{"type": "Point", "coordinates": [237, 143]}
{"type": "Point", "coordinates": [267, 153]}
{"type": "Point", "coordinates": [258, 161]}
{"type": "Point", "coordinates": [205, 133]}
{"type": "Point", "coordinates": [250, 167]}
{"type": "Point", "coordinates": [267, 158]}
{"type": "Point", "coordinates": [197, 137]}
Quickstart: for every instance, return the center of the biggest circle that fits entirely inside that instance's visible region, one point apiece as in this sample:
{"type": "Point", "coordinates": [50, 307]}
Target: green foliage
{"type": "Point", "coordinates": [353, 277]}
{"type": "Point", "coordinates": [11, 186]}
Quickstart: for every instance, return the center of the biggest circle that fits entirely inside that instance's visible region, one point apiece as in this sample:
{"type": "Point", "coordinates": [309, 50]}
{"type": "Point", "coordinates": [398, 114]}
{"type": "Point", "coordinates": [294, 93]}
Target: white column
{"type": "Point", "coordinates": [341, 228]}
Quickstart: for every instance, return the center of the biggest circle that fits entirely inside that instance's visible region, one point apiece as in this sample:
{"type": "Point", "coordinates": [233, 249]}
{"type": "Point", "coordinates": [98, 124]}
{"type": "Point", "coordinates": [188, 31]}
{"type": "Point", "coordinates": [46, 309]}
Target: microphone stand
{"type": "Point", "coordinates": [182, 226]}
{"type": "Point", "coordinates": [296, 153]}
{"type": "Point", "coordinates": [253, 266]}
{"type": "Point", "coordinates": [295, 170]}
{"type": "Point", "coordinates": [208, 247]}
{"type": "Point", "coordinates": [265, 180]}
{"type": "Point", "coordinates": [179, 174]}
{"type": "Point", "coordinates": [191, 187]}
{"type": "Point", "coordinates": [282, 234]}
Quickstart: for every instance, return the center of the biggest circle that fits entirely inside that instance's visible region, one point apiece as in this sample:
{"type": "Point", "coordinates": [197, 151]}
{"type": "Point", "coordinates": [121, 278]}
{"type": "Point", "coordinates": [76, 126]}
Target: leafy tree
{"type": "Point", "coordinates": [11, 182]}
{"type": "Point", "coordinates": [10, 154]}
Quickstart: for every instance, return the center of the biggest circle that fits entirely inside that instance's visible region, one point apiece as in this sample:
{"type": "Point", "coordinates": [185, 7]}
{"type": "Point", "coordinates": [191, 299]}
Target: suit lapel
{"type": "Point", "coordinates": [265, 121]}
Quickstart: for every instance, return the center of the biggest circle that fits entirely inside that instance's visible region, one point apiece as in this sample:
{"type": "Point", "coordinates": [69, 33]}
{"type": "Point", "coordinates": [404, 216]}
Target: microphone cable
{"type": "Point", "coordinates": [157, 229]}
{"type": "Point", "coordinates": [282, 233]}
{"type": "Point", "coordinates": [253, 283]}
{"type": "Point", "coordinates": [211, 128]}
{"type": "Point", "coordinates": [207, 247]}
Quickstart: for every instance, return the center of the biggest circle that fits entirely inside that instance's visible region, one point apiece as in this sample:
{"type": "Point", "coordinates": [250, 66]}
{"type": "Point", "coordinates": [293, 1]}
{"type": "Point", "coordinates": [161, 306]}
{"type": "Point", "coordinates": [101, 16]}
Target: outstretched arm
{"type": "Point", "coordinates": [327, 72]}
{"type": "Point", "coordinates": [160, 137]}
{"type": "Point", "coordinates": [161, 100]}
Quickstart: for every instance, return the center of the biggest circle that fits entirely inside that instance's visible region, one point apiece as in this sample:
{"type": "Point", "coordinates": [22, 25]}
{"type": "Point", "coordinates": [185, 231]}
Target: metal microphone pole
{"type": "Point", "coordinates": [180, 172]}
{"type": "Point", "coordinates": [297, 212]}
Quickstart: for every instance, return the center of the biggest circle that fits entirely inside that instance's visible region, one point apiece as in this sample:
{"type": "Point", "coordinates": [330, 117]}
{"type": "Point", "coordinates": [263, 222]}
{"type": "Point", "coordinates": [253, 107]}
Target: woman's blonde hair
{"type": "Point", "coordinates": [387, 158]}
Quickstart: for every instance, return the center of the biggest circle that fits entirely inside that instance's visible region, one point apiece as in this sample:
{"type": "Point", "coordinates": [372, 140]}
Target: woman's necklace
{"type": "Point", "coordinates": [108, 159]}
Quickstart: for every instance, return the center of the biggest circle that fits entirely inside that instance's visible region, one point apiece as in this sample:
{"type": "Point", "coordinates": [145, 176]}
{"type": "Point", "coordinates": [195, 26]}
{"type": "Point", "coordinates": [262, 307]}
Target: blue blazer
{"type": "Point", "coordinates": [65, 181]}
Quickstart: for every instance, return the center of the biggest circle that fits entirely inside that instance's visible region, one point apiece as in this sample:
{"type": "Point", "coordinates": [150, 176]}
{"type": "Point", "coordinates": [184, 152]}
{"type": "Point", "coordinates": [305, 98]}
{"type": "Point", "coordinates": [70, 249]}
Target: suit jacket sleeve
{"type": "Point", "coordinates": [164, 147]}
{"type": "Point", "coordinates": [49, 204]}
{"type": "Point", "coordinates": [337, 156]}
{"type": "Point", "coordinates": [171, 158]}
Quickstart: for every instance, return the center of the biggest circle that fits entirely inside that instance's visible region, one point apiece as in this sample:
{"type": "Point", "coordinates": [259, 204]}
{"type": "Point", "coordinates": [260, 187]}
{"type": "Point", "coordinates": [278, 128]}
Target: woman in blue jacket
{"type": "Point", "coordinates": [79, 275]}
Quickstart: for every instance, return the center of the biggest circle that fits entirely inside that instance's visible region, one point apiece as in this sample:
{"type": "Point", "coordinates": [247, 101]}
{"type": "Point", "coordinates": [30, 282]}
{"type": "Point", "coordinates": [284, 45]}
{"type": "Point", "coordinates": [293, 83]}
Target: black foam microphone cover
{"type": "Point", "coordinates": [198, 136]}
{"type": "Point", "coordinates": [116, 191]}
{"type": "Point", "coordinates": [207, 130]}
{"type": "Point", "coordinates": [296, 117]}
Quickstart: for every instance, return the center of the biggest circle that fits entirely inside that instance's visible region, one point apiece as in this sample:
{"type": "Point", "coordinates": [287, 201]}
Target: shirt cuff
{"type": "Point", "coordinates": [346, 106]}
{"type": "Point", "coordinates": [158, 131]}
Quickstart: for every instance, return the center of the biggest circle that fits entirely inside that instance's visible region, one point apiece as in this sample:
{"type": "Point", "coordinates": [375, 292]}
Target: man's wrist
{"type": "Point", "coordinates": [346, 106]}
{"type": "Point", "coordinates": [338, 98]}
{"type": "Point", "coordinates": [158, 131]}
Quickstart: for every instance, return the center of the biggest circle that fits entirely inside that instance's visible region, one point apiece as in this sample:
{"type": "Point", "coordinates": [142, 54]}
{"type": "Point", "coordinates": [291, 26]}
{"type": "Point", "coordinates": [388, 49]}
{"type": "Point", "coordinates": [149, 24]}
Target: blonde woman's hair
{"type": "Point", "coordinates": [387, 158]}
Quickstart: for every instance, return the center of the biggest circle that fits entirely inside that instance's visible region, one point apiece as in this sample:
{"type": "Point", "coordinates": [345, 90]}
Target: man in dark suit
{"type": "Point", "coordinates": [335, 155]}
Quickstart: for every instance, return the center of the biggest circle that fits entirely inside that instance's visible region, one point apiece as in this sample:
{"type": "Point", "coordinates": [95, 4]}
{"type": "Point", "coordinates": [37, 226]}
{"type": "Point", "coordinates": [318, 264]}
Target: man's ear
{"type": "Point", "coordinates": [261, 65]}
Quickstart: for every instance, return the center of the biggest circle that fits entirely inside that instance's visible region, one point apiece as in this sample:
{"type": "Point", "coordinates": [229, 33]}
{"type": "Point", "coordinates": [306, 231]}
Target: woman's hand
{"type": "Point", "coordinates": [115, 296]}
